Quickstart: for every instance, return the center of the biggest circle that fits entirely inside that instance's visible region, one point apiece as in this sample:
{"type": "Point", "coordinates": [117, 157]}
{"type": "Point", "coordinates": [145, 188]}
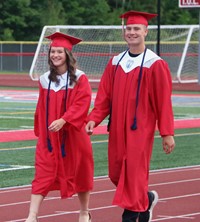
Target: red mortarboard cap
{"type": "Point", "coordinates": [134, 17]}
{"type": "Point", "coordinates": [59, 39]}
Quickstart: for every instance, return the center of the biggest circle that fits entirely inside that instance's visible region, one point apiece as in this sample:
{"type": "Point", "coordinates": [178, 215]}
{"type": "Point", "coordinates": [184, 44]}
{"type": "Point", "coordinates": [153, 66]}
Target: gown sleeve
{"type": "Point", "coordinates": [160, 94]}
{"type": "Point", "coordinates": [103, 99]}
{"type": "Point", "coordinates": [77, 111]}
{"type": "Point", "coordinates": [36, 115]}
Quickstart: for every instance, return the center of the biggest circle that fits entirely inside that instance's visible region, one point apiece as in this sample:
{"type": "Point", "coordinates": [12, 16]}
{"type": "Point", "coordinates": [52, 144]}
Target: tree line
{"type": "Point", "coordinates": [23, 20]}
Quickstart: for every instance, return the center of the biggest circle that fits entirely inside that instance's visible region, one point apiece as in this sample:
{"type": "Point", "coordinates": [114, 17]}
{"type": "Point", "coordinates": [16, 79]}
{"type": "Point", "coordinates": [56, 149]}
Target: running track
{"type": "Point", "coordinates": [179, 200]}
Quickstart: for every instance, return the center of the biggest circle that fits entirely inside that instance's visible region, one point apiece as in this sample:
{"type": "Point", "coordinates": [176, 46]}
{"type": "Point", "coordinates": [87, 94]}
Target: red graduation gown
{"type": "Point", "coordinates": [129, 151]}
{"type": "Point", "coordinates": [74, 172]}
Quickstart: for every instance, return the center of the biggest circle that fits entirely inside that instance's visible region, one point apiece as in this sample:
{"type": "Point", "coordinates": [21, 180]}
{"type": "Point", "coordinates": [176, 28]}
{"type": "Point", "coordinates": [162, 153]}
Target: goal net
{"type": "Point", "coordinates": [178, 46]}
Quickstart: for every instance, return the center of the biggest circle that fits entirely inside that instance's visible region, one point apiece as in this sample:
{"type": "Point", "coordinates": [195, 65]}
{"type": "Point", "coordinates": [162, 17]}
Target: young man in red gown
{"type": "Point", "coordinates": [135, 90]}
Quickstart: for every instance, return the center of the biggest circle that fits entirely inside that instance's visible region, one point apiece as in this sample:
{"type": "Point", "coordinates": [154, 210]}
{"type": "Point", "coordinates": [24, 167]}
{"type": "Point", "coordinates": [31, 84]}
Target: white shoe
{"type": "Point", "coordinates": [148, 214]}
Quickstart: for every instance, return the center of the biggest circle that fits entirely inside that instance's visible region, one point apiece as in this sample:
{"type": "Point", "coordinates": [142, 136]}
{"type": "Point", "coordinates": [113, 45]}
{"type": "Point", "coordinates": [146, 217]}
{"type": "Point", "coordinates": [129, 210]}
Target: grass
{"type": "Point", "coordinates": [186, 112]}
{"type": "Point", "coordinates": [12, 73]}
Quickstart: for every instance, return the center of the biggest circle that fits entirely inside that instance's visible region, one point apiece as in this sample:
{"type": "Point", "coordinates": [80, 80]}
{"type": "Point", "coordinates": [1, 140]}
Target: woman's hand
{"type": "Point", "coordinates": [56, 125]}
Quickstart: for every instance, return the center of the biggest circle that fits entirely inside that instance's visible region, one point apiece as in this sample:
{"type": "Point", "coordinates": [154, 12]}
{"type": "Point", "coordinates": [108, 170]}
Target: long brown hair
{"type": "Point", "coordinates": [71, 66]}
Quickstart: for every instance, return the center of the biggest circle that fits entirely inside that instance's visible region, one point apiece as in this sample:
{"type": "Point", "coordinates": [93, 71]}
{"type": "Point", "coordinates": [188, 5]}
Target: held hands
{"type": "Point", "coordinates": [89, 127]}
{"type": "Point", "coordinates": [168, 144]}
{"type": "Point", "coordinates": [56, 125]}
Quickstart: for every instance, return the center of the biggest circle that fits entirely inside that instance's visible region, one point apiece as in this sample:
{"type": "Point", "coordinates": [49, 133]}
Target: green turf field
{"type": "Point", "coordinates": [17, 158]}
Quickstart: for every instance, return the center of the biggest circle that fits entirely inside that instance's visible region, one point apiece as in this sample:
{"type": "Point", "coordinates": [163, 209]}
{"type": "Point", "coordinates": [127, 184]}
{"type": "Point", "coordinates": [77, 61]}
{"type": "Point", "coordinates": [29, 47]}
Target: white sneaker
{"type": "Point", "coordinates": [148, 214]}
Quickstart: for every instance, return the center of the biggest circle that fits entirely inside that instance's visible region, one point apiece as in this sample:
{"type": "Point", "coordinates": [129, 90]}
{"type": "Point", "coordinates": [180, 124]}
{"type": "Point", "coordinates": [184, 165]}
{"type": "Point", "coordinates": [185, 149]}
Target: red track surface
{"type": "Point", "coordinates": [178, 189]}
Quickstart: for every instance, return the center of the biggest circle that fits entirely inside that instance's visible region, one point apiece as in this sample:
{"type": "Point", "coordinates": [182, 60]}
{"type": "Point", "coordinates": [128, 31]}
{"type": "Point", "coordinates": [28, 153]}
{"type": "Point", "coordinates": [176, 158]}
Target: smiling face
{"type": "Point", "coordinates": [58, 58]}
{"type": "Point", "coordinates": [135, 37]}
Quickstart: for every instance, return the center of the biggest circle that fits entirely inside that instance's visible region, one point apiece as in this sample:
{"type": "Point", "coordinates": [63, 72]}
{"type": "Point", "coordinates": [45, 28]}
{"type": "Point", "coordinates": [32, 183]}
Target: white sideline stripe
{"type": "Point", "coordinates": [15, 117]}
{"type": "Point", "coordinates": [176, 169]}
{"type": "Point", "coordinates": [179, 197]}
{"type": "Point", "coordinates": [14, 167]}
{"type": "Point", "coordinates": [20, 148]}
{"type": "Point", "coordinates": [28, 187]}
{"type": "Point", "coordinates": [33, 147]}
{"type": "Point", "coordinates": [18, 130]}
{"type": "Point", "coordinates": [65, 213]}
{"type": "Point", "coordinates": [174, 182]}
{"type": "Point", "coordinates": [59, 213]}
{"type": "Point", "coordinates": [56, 198]}
{"type": "Point", "coordinates": [100, 178]}
{"type": "Point", "coordinates": [184, 216]}
{"type": "Point", "coordinates": [101, 192]}
{"type": "Point", "coordinates": [105, 178]}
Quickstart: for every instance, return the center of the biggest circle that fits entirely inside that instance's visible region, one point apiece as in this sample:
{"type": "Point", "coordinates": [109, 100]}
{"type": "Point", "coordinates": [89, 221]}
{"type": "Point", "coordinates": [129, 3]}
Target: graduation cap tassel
{"type": "Point", "coordinates": [110, 117]}
{"type": "Point", "coordinates": [134, 125]}
{"type": "Point", "coordinates": [63, 150]}
{"type": "Point", "coordinates": [65, 101]}
{"type": "Point", "coordinates": [109, 122]}
{"type": "Point", "coordinates": [49, 145]}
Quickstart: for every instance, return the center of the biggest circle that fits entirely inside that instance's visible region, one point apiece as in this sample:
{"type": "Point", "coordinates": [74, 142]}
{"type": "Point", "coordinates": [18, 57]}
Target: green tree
{"type": "Point", "coordinates": [172, 14]}
{"type": "Point", "coordinates": [52, 13]}
{"type": "Point", "coordinates": [15, 19]}
{"type": "Point", "coordinates": [88, 12]}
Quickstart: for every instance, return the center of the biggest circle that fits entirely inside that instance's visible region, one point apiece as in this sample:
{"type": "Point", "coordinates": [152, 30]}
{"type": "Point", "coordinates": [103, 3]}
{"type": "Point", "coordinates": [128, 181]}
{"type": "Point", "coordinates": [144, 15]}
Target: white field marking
{"type": "Point", "coordinates": [27, 202]}
{"type": "Point", "coordinates": [184, 216]}
{"type": "Point", "coordinates": [179, 197]}
{"type": "Point", "coordinates": [55, 198]}
{"type": "Point", "coordinates": [100, 178]}
{"type": "Point", "coordinates": [59, 213]}
{"type": "Point", "coordinates": [175, 182]}
{"type": "Point", "coordinates": [160, 171]}
{"type": "Point", "coordinates": [65, 213]}
{"type": "Point", "coordinates": [100, 192]}
{"type": "Point", "coordinates": [27, 111]}
{"type": "Point", "coordinates": [19, 108]}
{"type": "Point", "coordinates": [186, 116]}
{"type": "Point", "coordinates": [16, 117]}
{"type": "Point", "coordinates": [15, 189]}
{"type": "Point", "coordinates": [19, 148]}
{"type": "Point", "coordinates": [100, 141]}
{"type": "Point", "coordinates": [175, 169]}
{"type": "Point", "coordinates": [16, 167]}
{"type": "Point", "coordinates": [186, 95]}
{"type": "Point", "coordinates": [27, 127]}
{"type": "Point", "coordinates": [28, 187]}
{"type": "Point", "coordinates": [186, 134]}
{"type": "Point", "coordinates": [4, 129]}
{"type": "Point", "coordinates": [21, 130]}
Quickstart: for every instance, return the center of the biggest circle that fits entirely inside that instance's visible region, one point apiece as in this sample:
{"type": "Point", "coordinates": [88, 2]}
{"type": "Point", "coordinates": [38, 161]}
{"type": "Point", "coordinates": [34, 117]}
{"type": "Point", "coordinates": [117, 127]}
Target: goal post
{"type": "Point", "coordinates": [178, 46]}
{"type": "Point", "coordinates": [188, 66]}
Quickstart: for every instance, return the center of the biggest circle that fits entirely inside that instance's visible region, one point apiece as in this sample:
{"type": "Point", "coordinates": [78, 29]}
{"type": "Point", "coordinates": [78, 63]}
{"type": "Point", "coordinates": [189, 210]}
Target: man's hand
{"type": "Point", "coordinates": [168, 144]}
{"type": "Point", "coordinates": [56, 125]}
{"type": "Point", "coordinates": [89, 127]}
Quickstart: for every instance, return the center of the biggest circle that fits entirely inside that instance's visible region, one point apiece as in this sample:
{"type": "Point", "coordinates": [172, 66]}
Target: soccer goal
{"type": "Point", "coordinates": [178, 46]}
